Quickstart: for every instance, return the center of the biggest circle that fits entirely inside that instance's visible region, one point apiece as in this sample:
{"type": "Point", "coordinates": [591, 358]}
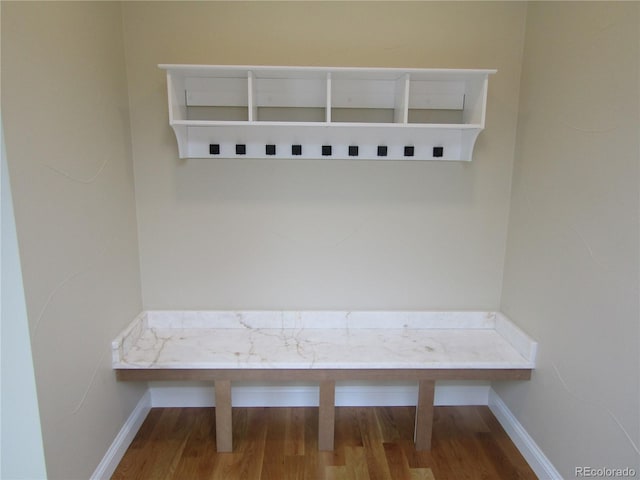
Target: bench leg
{"type": "Point", "coordinates": [326, 415]}
{"type": "Point", "coordinates": [424, 415]}
{"type": "Point", "coordinates": [224, 435]}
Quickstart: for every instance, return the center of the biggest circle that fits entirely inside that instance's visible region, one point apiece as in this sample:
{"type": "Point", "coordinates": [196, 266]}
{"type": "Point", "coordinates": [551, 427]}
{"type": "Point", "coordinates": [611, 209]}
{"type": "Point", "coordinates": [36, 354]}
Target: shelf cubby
{"type": "Point", "coordinates": [280, 96]}
{"type": "Point", "coordinates": [358, 98]}
{"type": "Point", "coordinates": [221, 98]}
{"type": "Point", "coordinates": [327, 113]}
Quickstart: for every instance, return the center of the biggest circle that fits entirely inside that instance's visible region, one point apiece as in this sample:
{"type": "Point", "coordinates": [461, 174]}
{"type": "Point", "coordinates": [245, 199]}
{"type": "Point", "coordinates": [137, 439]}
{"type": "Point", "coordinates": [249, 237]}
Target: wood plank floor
{"type": "Point", "coordinates": [281, 444]}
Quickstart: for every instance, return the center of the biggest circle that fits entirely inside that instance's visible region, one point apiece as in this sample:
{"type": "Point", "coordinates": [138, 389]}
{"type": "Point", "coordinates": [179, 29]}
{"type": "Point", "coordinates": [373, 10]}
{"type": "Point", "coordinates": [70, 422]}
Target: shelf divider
{"type": "Point", "coordinates": [252, 96]}
{"type": "Point", "coordinates": [328, 104]}
{"type": "Point", "coordinates": [401, 108]}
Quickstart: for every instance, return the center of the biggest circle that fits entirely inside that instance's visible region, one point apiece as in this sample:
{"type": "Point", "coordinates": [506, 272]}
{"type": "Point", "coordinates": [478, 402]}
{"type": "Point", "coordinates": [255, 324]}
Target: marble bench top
{"type": "Point", "coordinates": [322, 340]}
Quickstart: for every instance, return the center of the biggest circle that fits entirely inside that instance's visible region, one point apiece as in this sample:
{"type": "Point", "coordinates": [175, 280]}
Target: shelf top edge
{"type": "Point", "coordinates": [219, 123]}
{"type": "Point", "coordinates": [314, 69]}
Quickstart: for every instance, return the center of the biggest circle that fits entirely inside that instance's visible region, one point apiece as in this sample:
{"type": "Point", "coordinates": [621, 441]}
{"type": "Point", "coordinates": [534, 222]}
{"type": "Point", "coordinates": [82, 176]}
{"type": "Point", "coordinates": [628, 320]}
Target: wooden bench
{"type": "Point", "coordinates": [322, 347]}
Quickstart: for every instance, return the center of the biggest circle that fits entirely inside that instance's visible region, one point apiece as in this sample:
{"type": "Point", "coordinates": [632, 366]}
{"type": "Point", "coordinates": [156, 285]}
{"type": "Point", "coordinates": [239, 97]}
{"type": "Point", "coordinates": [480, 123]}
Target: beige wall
{"type": "Point", "coordinates": [65, 112]}
{"type": "Point", "coordinates": [286, 234]}
{"type": "Point", "coordinates": [571, 274]}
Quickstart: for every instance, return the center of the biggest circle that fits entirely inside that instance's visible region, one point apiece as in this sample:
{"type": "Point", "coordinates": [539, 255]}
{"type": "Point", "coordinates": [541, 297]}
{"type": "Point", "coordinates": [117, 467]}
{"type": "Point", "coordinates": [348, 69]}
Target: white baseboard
{"type": "Point", "coordinates": [125, 436]}
{"type": "Point", "coordinates": [306, 395]}
{"type": "Point", "coordinates": [529, 449]}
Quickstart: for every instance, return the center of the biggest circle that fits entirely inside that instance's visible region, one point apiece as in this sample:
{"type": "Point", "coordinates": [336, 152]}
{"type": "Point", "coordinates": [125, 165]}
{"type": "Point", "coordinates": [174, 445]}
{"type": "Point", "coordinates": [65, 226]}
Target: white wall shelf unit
{"type": "Point", "coordinates": [323, 112]}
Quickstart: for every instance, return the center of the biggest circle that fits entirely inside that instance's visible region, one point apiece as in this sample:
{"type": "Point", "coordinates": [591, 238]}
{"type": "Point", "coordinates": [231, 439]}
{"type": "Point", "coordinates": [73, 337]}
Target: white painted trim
{"type": "Point", "coordinates": [125, 436]}
{"type": "Point", "coordinates": [306, 395]}
{"type": "Point", "coordinates": [170, 395]}
{"type": "Point", "coordinates": [529, 449]}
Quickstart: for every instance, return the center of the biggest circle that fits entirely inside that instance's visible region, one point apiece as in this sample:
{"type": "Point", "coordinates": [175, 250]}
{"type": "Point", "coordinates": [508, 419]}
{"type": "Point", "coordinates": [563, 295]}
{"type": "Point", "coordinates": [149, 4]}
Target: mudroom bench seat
{"type": "Point", "coordinates": [322, 347]}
